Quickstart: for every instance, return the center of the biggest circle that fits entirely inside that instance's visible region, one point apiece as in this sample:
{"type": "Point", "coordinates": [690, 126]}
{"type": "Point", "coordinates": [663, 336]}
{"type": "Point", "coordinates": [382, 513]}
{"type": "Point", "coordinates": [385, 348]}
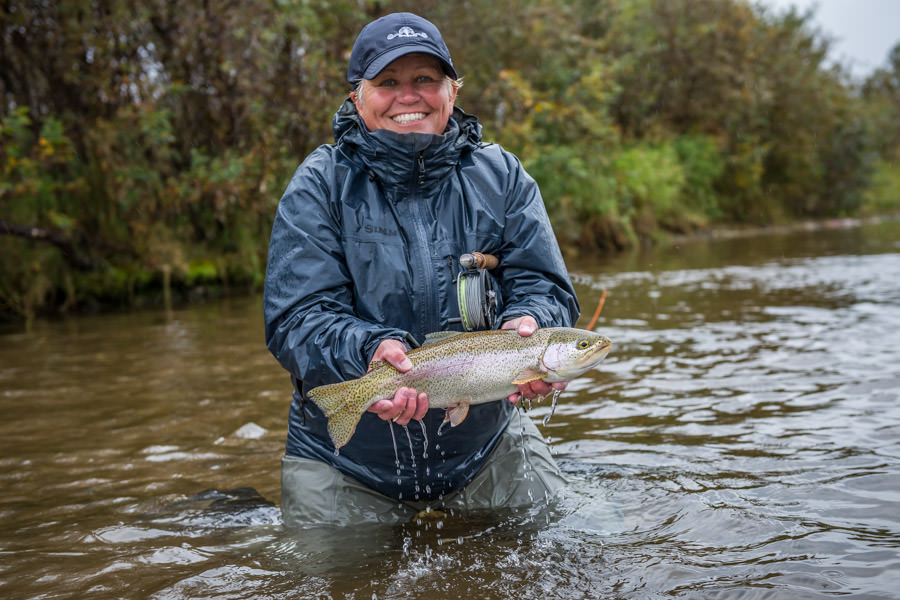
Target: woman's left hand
{"type": "Point", "coordinates": [525, 326]}
{"type": "Point", "coordinates": [407, 404]}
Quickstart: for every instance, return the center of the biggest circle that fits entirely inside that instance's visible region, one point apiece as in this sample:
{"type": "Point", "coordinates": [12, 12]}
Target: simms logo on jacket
{"type": "Point", "coordinates": [369, 228]}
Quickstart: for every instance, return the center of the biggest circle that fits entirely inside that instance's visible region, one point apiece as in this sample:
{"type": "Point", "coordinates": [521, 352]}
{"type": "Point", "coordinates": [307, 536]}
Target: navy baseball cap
{"type": "Point", "coordinates": [384, 40]}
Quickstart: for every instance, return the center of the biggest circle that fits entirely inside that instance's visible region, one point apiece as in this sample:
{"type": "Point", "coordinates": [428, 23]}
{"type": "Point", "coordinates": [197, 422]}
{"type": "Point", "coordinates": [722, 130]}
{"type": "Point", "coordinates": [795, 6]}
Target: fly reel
{"type": "Point", "coordinates": [475, 292]}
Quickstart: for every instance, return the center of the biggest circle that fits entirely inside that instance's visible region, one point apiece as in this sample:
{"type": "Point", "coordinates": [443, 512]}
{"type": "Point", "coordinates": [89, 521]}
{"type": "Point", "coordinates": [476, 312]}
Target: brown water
{"type": "Point", "coordinates": [742, 440]}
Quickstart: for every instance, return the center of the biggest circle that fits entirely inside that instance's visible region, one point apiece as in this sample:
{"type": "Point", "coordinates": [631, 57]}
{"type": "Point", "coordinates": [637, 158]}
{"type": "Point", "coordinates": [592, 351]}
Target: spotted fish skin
{"type": "Point", "coordinates": [464, 369]}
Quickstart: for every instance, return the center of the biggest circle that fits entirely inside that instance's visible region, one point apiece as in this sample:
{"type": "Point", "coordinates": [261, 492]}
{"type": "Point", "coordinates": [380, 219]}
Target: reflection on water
{"type": "Point", "coordinates": [741, 441]}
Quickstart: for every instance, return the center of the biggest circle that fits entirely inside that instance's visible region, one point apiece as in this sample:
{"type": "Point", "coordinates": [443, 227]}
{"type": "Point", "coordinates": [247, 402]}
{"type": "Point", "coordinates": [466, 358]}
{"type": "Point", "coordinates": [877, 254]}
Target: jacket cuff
{"type": "Point", "coordinates": [397, 334]}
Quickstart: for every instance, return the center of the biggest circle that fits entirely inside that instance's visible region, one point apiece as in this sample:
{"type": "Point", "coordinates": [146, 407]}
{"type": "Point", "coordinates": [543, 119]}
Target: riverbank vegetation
{"type": "Point", "coordinates": [144, 146]}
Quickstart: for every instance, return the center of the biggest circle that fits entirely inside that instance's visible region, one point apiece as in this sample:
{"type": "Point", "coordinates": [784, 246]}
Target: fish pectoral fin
{"type": "Point", "coordinates": [457, 414]}
{"type": "Point", "coordinates": [528, 375]}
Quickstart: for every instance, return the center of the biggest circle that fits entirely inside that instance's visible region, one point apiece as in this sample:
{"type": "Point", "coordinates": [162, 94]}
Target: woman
{"type": "Point", "coordinates": [362, 262]}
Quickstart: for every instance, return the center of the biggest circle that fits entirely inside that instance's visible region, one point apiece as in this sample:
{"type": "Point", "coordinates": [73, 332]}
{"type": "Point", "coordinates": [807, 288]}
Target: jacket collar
{"type": "Point", "coordinates": [396, 158]}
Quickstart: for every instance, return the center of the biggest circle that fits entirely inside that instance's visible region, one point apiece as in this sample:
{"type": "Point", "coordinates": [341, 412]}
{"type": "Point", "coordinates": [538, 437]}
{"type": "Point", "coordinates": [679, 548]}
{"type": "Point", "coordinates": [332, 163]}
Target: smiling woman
{"type": "Point", "coordinates": [363, 257]}
{"type": "Point", "coordinates": [412, 94]}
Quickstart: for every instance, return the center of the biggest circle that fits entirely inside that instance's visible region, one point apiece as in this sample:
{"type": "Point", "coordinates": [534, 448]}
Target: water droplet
{"type": "Point", "coordinates": [412, 453]}
{"type": "Point", "coordinates": [553, 402]}
{"type": "Point", "coordinates": [425, 440]}
{"type": "Point", "coordinates": [394, 440]}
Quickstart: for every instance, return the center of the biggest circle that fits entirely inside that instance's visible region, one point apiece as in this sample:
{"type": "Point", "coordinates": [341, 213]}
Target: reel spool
{"type": "Point", "coordinates": [475, 292]}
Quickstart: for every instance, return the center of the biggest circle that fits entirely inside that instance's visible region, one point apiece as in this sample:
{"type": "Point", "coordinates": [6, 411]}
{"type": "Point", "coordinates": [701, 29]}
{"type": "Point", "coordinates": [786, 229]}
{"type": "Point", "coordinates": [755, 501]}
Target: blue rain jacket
{"type": "Point", "coordinates": [365, 246]}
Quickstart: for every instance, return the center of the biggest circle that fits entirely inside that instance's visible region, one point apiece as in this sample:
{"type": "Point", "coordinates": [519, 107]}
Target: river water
{"type": "Point", "coordinates": [742, 440]}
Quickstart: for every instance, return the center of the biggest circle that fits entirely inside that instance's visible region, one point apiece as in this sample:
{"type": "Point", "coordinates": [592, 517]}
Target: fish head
{"type": "Point", "coordinates": [570, 352]}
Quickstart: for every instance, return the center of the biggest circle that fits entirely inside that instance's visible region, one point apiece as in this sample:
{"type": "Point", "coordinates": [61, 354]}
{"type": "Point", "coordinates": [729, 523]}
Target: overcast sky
{"type": "Point", "coordinates": [863, 31]}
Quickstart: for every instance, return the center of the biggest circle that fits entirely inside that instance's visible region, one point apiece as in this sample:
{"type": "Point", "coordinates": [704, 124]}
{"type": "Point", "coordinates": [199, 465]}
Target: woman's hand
{"type": "Point", "coordinates": [525, 326]}
{"type": "Point", "coordinates": [407, 404]}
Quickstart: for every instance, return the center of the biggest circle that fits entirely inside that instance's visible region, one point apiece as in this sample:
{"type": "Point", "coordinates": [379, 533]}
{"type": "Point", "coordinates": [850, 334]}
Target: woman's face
{"type": "Point", "coordinates": [411, 94]}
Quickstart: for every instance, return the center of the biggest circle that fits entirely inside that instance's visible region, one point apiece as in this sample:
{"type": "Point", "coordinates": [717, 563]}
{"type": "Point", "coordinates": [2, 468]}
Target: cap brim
{"type": "Point", "coordinates": [378, 65]}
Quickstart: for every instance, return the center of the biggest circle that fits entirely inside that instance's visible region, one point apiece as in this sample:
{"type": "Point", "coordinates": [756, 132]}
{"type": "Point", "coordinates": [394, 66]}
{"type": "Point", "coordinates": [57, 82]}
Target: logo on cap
{"type": "Point", "coordinates": [407, 32]}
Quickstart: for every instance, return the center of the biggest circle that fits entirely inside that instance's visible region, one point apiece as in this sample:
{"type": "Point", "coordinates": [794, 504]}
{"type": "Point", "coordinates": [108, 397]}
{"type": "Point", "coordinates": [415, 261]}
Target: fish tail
{"type": "Point", "coordinates": [343, 404]}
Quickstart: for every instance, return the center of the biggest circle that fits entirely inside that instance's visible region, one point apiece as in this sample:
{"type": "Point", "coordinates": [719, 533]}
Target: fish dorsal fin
{"type": "Point", "coordinates": [439, 336]}
{"type": "Point", "coordinates": [528, 375]}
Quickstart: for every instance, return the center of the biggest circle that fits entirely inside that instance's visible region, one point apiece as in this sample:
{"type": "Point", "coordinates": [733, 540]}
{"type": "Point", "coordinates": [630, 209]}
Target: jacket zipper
{"type": "Point", "coordinates": [430, 307]}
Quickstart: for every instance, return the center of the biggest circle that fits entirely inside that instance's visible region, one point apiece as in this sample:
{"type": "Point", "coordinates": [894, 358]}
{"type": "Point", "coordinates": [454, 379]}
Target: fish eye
{"type": "Point", "coordinates": [583, 344]}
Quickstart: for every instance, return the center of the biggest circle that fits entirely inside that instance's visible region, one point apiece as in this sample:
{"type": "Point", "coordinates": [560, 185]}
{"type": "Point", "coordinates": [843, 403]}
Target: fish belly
{"type": "Point", "coordinates": [470, 378]}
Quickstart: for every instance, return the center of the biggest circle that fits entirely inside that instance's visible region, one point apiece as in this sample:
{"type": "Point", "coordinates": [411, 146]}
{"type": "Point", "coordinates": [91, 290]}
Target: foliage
{"type": "Point", "coordinates": [144, 145]}
{"type": "Point", "coordinates": [703, 164]}
{"type": "Point", "coordinates": [883, 194]}
{"type": "Point", "coordinates": [881, 94]}
{"type": "Point", "coordinates": [650, 181]}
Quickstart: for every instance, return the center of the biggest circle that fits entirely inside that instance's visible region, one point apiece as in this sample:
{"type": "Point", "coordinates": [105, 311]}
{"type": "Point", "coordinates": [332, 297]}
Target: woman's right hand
{"type": "Point", "coordinates": [407, 404]}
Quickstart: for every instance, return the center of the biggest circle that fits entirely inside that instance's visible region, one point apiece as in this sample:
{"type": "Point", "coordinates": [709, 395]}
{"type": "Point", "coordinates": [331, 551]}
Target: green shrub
{"type": "Point", "coordinates": [650, 178]}
{"type": "Point", "coordinates": [883, 194]}
{"type": "Point", "coordinates": [703, 165]}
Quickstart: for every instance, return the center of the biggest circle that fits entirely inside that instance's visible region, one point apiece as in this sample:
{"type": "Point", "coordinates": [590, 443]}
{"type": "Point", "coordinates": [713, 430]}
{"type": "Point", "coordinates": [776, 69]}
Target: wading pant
{"type": "Point", "coordinates": [519, 472]}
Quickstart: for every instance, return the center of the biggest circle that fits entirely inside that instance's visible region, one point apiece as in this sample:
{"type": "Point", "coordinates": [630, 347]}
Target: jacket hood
{"type": "Point", "coordinates": [395, 157]}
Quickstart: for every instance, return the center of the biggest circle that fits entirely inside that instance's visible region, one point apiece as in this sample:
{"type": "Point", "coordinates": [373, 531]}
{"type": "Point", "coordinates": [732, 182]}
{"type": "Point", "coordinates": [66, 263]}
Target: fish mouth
{"type": "Point", "coordinates": [602, 348]}
{"type": "Point", "coordinates": [598, 353]}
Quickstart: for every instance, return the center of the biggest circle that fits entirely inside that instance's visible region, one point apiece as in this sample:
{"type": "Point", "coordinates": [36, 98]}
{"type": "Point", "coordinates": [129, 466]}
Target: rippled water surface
{"type": "Point", "coordinates": [742, 440]}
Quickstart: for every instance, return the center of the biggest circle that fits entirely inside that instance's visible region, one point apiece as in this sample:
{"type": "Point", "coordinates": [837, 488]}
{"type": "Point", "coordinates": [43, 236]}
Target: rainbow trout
{"type": "Point", "coordinates": [461, 369]}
